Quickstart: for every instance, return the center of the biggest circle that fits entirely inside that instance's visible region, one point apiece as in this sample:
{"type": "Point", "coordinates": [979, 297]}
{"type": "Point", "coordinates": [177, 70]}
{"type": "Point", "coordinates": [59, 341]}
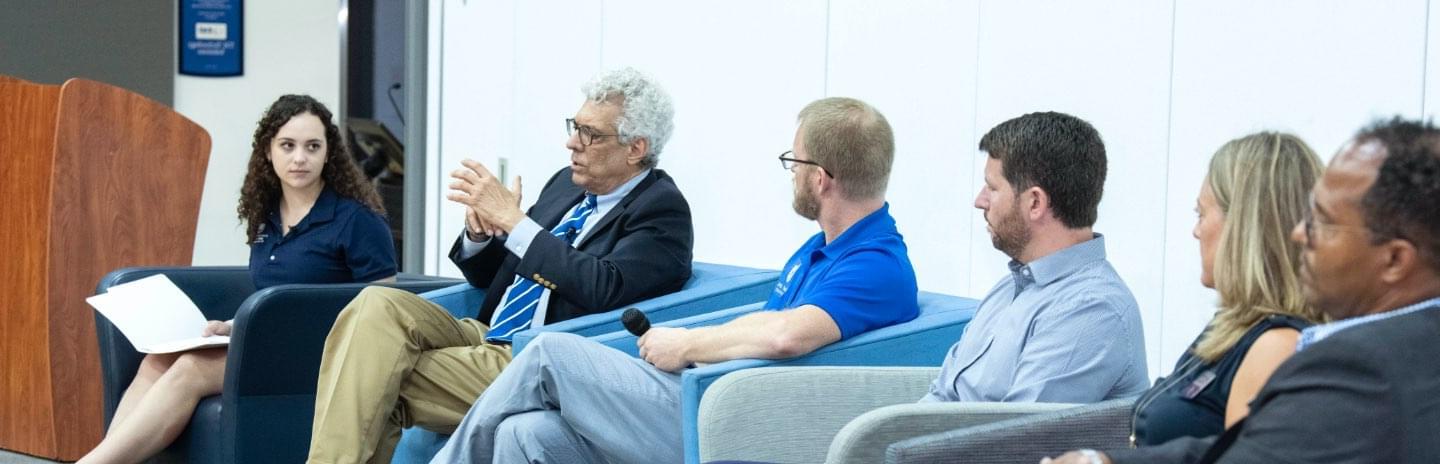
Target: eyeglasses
{"type": "Point", "coordinates": [789, 163]}
{"type": "Point", "coordinates": [587, 135]}
{"type": "Point", "coordinates": [1310, 224]}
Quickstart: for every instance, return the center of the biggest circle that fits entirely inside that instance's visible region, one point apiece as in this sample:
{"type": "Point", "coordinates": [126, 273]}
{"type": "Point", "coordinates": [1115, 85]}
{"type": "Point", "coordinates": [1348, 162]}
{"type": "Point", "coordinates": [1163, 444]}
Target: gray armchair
{"type": "Point", "coordinates": [831, 414]}
{"type": "Point", "coordinates": [1026, 439]}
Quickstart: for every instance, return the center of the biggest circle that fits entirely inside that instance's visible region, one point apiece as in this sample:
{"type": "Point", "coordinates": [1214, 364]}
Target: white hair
{"type": "Point", "coordinates": [646, 111]}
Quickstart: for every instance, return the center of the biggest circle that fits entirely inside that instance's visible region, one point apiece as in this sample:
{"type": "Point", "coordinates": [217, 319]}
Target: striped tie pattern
{"type": "Point", "coordinates": [523, 296]}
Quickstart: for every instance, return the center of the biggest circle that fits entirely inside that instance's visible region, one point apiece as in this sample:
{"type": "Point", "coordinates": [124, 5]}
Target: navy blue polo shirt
{"type": "Point", "coordinates": [863, 279]}
{"type": "Point", "coordinates": [339, 240]}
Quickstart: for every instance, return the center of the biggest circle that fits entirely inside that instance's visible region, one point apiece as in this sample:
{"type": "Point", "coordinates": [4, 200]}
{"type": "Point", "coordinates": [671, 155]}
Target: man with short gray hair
{"type": "Point", "coordinates": [608, 230]}
{"type": "Point", "coordinates": [572, 400]}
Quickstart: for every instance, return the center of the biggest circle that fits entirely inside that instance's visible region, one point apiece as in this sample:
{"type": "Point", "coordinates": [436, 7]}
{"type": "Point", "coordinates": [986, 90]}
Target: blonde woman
{"type": "Point", "coordinates": [1256, 190]}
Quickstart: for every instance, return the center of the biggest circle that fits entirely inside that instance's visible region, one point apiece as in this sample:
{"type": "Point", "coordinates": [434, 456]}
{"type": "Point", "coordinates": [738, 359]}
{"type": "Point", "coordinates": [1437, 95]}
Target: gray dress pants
{"type": "Point", "coordinates": [567, 399]}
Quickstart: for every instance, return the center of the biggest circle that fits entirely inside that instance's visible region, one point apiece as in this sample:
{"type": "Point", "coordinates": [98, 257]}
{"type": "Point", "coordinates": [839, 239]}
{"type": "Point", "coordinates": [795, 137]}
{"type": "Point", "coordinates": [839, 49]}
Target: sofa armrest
{"type": "Point", "coordinates": [624, 341]}
{"type": "Point", "coordinates": [711, 287]}
{"type": "Point", "coordinates": [920, 342]}
{"type": "Point", "coordinates": [791, 414]}
{"type": "Point", "coordinates": [279, 334]}
{"type": "Point", "coordinates": [461, 300]}
{"type": "Point", "coordinates": [216, 290]}
{"type": "Point", "coordinates": [274, 361]}
{"type": "Point", "coordinates": [1103, 425]}
{"type": "Point", "coordinates": [865, 439]}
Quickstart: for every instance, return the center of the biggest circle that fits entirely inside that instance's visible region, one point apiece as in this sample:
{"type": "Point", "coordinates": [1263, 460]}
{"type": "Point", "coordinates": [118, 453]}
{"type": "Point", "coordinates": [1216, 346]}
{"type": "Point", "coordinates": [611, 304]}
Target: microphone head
{"type": "Point", "coordinates": [635, 322]}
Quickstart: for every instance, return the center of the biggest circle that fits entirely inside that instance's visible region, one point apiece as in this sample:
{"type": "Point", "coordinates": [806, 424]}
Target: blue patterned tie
{"type": "Point", "coordinates": [523, 296]}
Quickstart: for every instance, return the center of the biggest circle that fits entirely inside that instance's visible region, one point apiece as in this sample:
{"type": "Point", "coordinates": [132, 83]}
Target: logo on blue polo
{"type": "Point", "coordinates": [784, 285]}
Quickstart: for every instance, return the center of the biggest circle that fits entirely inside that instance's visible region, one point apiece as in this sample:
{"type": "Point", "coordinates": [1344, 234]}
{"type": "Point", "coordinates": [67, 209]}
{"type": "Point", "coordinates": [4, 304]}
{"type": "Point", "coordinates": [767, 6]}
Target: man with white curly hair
{"type": "Point", "coordinates": [608, 230]}
{"type": "Point", "coordinates": [569, 399]}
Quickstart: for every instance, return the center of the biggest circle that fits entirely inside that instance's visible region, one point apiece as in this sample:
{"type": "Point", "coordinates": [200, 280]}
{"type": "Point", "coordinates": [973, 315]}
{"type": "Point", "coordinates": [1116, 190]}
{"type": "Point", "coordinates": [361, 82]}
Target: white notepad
{"type": "Point", "coordinates": [155, 316]}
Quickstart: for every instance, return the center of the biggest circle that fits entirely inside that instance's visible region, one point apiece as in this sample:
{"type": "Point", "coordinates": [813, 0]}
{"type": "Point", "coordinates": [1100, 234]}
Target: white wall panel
{"type": "Point", "coordinates": [1164, 82]}
{"type": "Point", "coordinates": [1432, 62]}
{"type": "Point", "coordinates": [477, 35]}
{"type": "Point", "coordinates": [1318, 69]}
{"type": "Point", "coordinates": [872, 56]}
{"type": "Point", "coordinates": [512, 73]}
{"type": "Point", "coordinates": [738, 77]}
{"type": "Point", "coordinates": [1106, 62]}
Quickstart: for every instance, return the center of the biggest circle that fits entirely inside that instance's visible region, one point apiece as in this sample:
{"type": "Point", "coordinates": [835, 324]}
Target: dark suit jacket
{"type": "Point", "coordinates": [1368, 394]}
{"type": "Point", "coordinates": [640, 249]}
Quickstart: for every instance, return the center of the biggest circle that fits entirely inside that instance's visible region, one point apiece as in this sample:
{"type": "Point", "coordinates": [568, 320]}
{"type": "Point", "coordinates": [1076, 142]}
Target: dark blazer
{"type": "Point", "coordinates": [1367, 394]}
{"type": "Point", "coordinates": [640, 249]}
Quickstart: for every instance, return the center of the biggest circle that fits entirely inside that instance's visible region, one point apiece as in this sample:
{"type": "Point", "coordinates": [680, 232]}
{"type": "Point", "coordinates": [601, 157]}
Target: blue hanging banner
{"type": "Point", "coordinates": [211, 33]}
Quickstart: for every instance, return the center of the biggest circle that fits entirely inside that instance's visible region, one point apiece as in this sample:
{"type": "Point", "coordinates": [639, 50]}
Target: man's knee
{"type": "Point", "coordinates": [552, 343]}
{"type": "Point", "coordinates": [559, 351]}
{"type": "Point", "coordinates": [533, 434]}
{"type": "Point", "coordinates": [374, 304]}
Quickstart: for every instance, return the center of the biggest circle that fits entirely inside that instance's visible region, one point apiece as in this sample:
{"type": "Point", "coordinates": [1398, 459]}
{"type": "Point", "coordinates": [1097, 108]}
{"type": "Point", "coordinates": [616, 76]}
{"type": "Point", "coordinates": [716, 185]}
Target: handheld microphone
{"type": "Point", "coordinates": [635, 322]}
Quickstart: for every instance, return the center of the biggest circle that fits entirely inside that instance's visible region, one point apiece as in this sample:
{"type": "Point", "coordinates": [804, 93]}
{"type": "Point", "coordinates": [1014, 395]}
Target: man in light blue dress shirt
{"type": "Point", "coordinates": [1062, 327]}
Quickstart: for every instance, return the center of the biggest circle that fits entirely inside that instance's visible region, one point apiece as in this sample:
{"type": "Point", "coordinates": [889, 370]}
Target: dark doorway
{"type": "Point", "coordinates": [375, 101]}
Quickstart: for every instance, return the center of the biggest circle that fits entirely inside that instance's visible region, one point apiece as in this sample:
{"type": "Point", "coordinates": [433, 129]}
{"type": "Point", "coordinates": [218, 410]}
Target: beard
{"type": "Point", "coordinates": [805, 203]}
{"type": "Point", "coordinates": [1009, 234]}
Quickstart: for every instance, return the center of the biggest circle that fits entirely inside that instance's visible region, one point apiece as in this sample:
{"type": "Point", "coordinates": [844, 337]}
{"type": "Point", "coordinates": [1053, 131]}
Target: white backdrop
{"type": "Point", "coordinates": [1166, 83]}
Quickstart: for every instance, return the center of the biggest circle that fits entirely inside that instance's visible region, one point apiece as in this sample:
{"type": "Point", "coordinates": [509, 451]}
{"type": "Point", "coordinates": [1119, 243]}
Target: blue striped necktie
{"type": "Point", "coordinates": [523, 296]}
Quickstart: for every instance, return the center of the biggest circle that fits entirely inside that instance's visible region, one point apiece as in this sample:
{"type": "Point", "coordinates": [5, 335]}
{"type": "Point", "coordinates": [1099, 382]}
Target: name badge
{"type": "Point", "coordinates": [1201, 381]}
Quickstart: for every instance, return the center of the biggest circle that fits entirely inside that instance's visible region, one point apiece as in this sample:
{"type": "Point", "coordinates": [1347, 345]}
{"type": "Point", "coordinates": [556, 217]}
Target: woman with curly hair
{"type": "Point", "coordinates": [310, 217]}
{"type": "Point", "coordinates": [1256, 190]}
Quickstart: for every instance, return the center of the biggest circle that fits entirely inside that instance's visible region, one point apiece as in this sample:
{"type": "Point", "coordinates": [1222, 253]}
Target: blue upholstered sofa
{"type": "Point", "coordinates": [712, 287]}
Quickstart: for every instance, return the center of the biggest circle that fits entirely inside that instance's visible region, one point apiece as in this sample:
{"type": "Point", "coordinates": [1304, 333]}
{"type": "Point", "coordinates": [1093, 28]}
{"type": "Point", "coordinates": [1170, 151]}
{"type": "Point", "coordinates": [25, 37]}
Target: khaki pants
{"type": "Point", "coordinates": [395, 360]}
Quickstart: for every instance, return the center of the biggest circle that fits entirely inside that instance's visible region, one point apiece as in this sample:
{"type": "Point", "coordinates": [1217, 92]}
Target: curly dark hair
{"type": "Point", "coordinates": [1401, 203]}
{"type": "Point", "coordinates": [260, 194]}
{"type": "Point", "coordinates": [1061, 154]}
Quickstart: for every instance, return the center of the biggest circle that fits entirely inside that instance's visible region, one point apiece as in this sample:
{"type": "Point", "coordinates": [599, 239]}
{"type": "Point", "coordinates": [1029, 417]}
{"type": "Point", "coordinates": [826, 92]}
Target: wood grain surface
{"type": "Point", "coordinates": [120, 186]}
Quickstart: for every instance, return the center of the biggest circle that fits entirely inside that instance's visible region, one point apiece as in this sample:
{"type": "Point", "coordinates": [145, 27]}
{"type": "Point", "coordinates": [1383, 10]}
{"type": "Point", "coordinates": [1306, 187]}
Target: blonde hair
{"type": "Point", "coordinates": [1262, 183]}
{"type": "Point", "coordinates": [853, 141]}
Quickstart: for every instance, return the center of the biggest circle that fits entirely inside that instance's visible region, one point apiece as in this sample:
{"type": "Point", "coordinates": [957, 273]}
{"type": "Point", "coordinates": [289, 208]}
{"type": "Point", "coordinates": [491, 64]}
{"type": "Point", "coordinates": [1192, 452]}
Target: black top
{"type": "Point", "coordinates": [1191, 401]}
{"type": "Point", "coordinates": [1366, 394]}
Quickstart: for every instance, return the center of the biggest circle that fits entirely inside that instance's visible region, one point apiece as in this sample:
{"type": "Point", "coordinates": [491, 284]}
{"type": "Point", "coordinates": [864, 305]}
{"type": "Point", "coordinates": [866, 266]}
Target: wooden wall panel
{"type": "Point", "coordinates": [27, 138]}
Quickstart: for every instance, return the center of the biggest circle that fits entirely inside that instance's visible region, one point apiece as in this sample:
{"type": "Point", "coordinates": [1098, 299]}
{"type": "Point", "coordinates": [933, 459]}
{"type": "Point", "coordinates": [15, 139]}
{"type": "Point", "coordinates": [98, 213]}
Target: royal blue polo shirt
{"type": "Point", "coordinates": [339, 240]}
{"type": "Point", "coordinates": [863, 279]}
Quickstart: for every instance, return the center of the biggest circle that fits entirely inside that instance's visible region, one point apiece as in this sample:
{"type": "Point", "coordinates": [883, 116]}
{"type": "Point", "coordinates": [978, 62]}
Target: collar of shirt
{"type": "Point", "coordinates": [878, 221]}
{"type": "Point", "coordinates": [603, 203]}
{"type": "Point", "coordinates": [1057, 265]}
{"type": "Point", "coordinates": [1316, 333]}
{"type": "Point", "coordinates": [322, 211]}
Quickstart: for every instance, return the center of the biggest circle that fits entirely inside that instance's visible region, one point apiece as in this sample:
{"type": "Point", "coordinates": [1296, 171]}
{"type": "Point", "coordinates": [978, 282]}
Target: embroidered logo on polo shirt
{"type": "Point", "coordinates": [260, 235]}
{"type": "Point", "coordinates": [784, 285]}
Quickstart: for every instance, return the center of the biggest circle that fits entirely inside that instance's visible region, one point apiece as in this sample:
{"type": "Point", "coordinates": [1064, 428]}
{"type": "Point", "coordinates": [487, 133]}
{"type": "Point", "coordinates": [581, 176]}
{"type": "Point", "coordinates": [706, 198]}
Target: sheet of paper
{"type": "Point", "coordinates": [155, 316]}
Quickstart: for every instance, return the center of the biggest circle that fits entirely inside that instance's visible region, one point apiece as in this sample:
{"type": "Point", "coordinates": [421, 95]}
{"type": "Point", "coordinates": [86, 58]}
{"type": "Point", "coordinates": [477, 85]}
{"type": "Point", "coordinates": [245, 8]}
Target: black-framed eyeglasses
{"type": "Point", "coordinates": [789, 163]}
{"type": "Point", "coordinates": [587, 134]}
